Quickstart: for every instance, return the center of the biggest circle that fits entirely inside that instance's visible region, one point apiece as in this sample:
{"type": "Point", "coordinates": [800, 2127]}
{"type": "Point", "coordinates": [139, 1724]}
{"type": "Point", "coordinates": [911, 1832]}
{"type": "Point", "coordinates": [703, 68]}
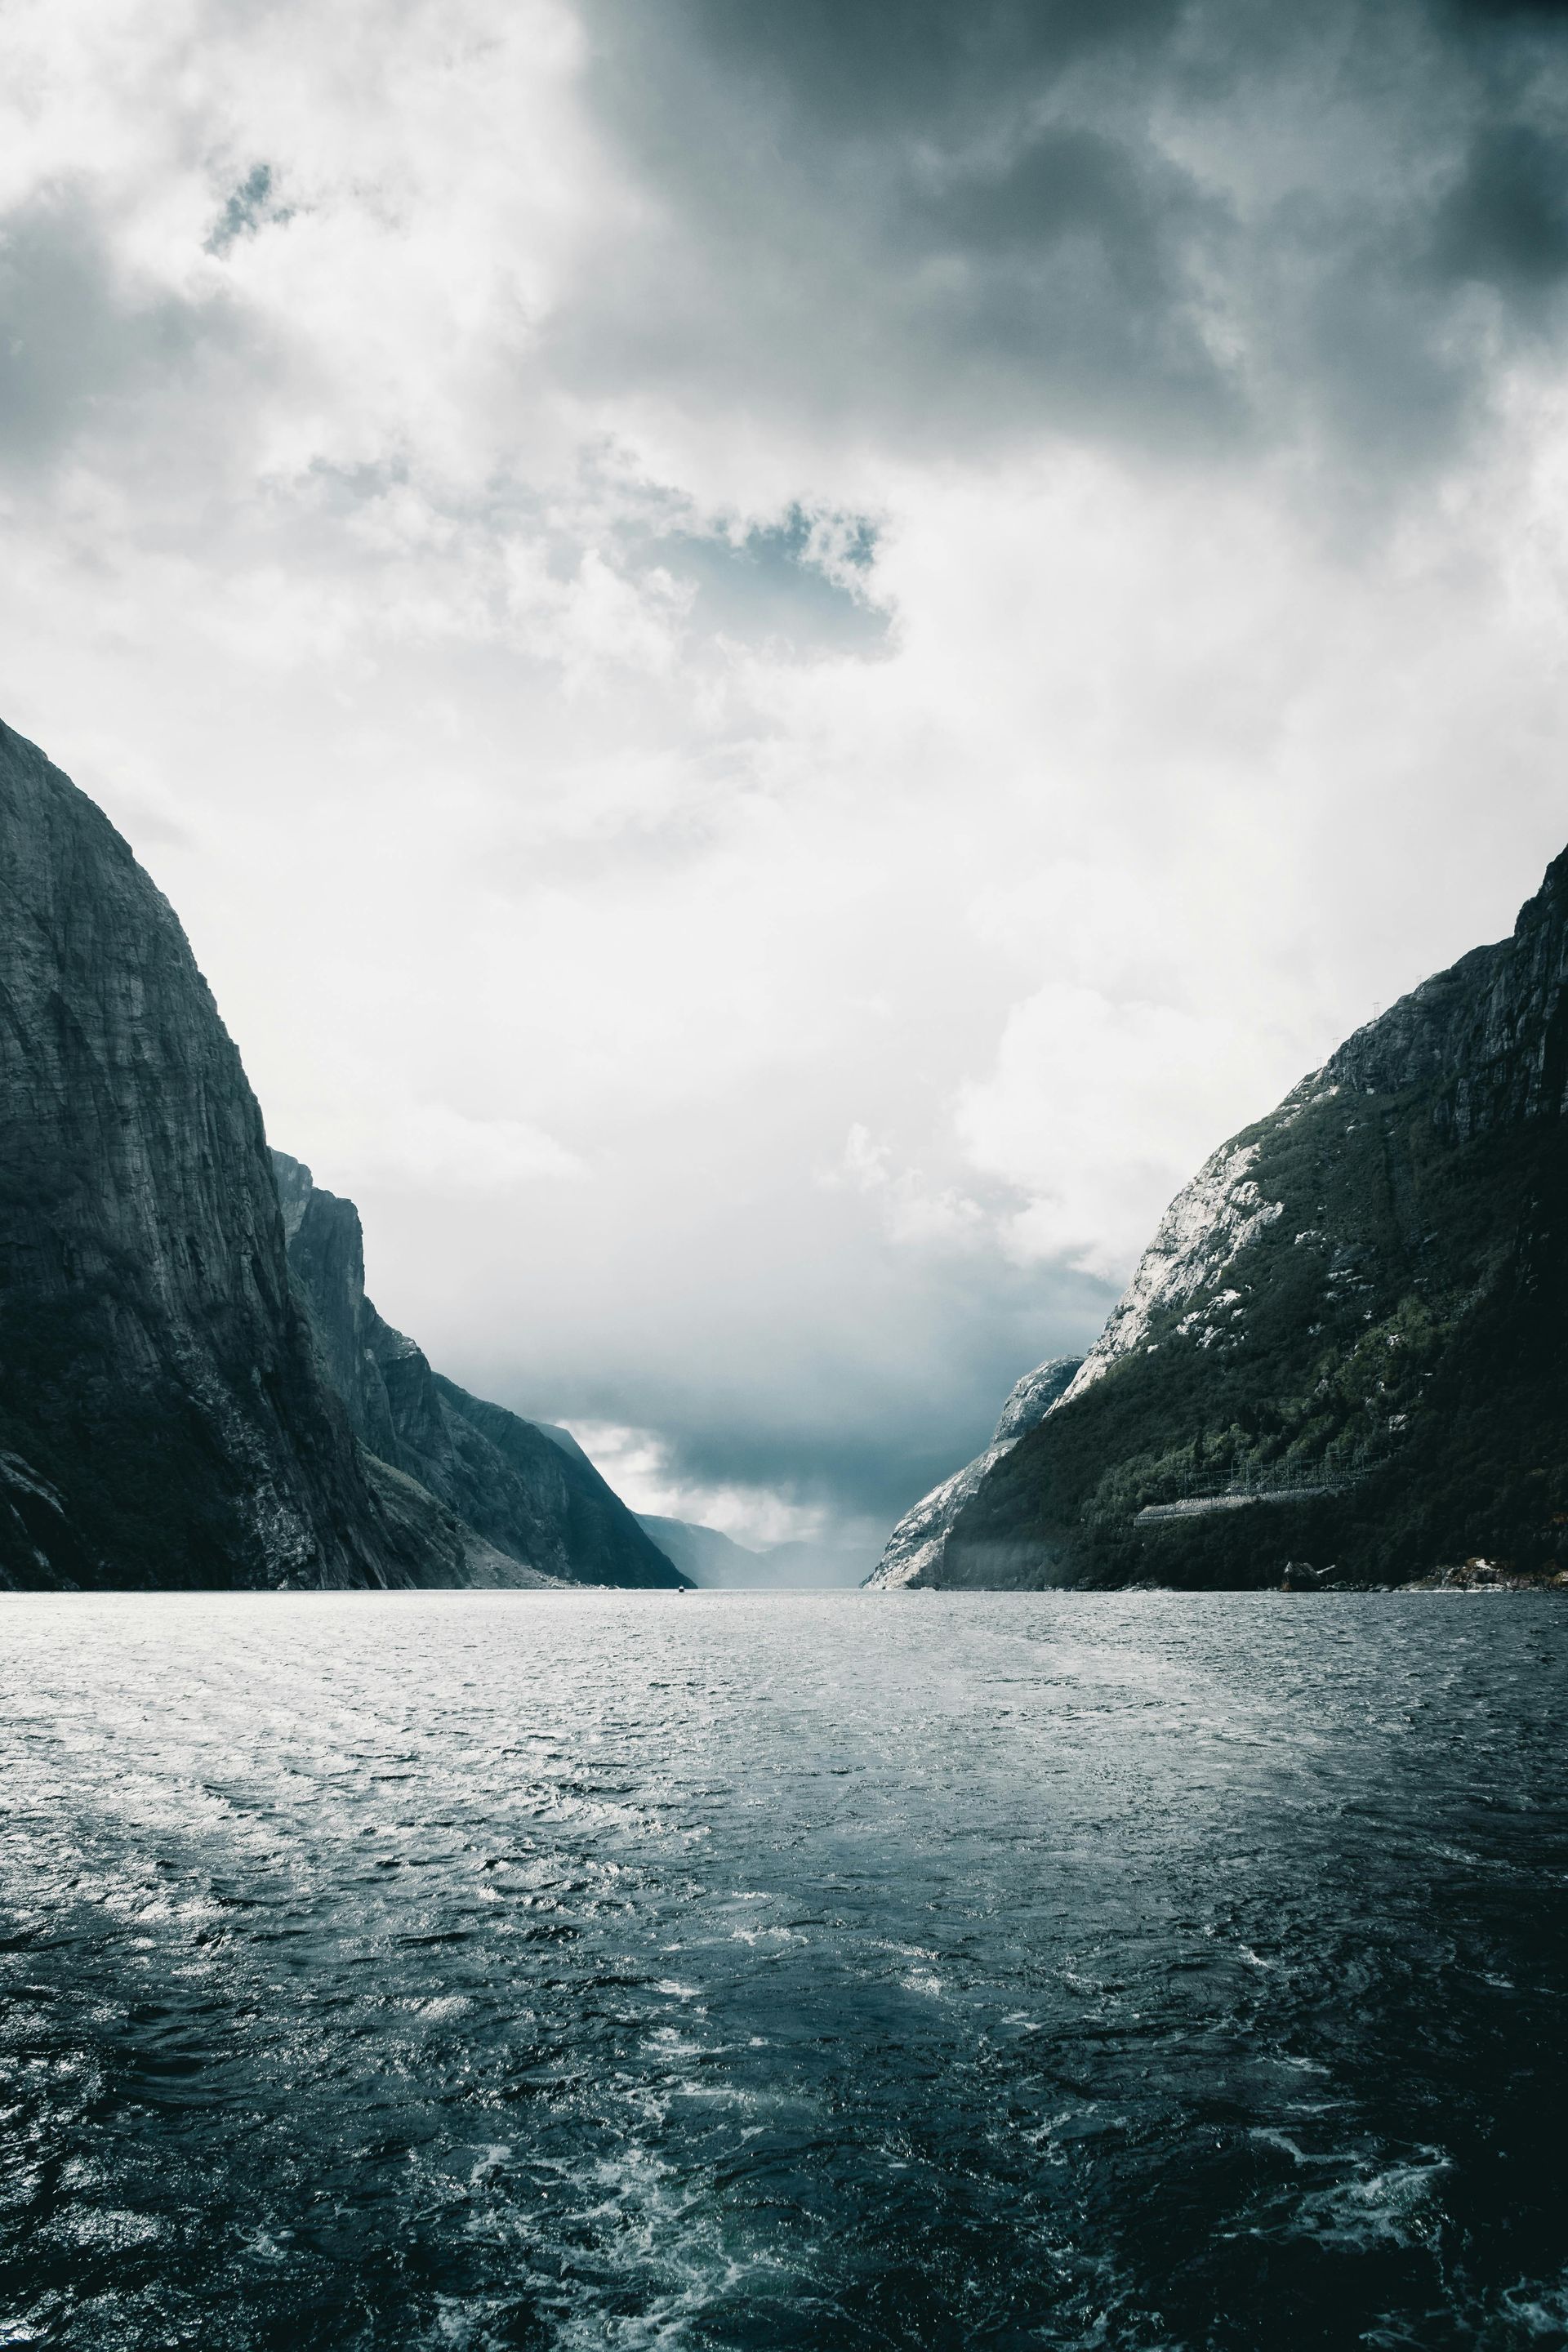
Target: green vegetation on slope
{"type": "Point", "coordinates": [1394, 1329]}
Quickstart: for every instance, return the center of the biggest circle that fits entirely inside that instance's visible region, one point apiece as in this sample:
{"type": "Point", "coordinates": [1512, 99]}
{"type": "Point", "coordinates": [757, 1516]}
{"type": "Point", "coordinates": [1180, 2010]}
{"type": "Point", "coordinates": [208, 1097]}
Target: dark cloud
{"type": "Point", "coordinates": [1507, 220]}
{"type": "Point", "coordinates": [1066, 183]}
{"type": "Point", "coordinates": [860, 1422]}
{"type": "Point", "coordinates": [868, 65]}
{"type": "Point", "coordinates": [1205, 226]}
{"type": "Point", "coordinates": [873, 216]}
{"type": "Point", "coordinates": [1491, 12]}
{"type": "Point", "coordinates": [1208, 223]}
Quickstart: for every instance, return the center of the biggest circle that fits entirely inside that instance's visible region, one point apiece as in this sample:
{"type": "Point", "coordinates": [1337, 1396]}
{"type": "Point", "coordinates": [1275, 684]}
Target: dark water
{"type": "Point", "coordinates": [833, 1972]}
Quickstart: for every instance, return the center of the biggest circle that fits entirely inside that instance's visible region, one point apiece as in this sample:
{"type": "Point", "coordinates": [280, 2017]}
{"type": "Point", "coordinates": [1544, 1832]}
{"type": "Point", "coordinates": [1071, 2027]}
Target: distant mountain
{"type": "Point", "coordinates": [914, 1548]}
{"type": "Point", "coordinates": [1344, 1355]}
{"type": "Point", "coordinates": [804, 1566]}
{"type": "Point", "coordinates": [717, 1561]}
{"type": "Point", "coordinates": [561, 1437]}
{"type": "Point", "coordinates": [702, 1553]}
{"type": "Point", "coordinates": [164, 1420]}
{"type": "Point", "coordinates": [529, 1491]}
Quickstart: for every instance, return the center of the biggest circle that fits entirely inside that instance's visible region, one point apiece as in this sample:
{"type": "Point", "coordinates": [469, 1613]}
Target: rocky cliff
{"type": "Point", "coordinates": [915, 1548]}
{"type": "Point", "coordinates": [531, 1493]}
{"type": "Point", "coordinates": [163, 1419]}
{"type": "Point", "coordinates": [1343, 1358]}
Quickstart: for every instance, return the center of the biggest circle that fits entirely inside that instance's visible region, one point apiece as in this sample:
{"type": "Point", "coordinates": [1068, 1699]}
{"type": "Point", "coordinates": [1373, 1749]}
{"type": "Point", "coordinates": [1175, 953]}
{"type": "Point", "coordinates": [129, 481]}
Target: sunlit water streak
{"type": "Point", "coordinates": [610, 1970]}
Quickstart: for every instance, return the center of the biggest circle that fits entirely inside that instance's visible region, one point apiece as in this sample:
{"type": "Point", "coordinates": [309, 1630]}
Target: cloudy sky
{"type": "Point", "coordinates": [783, 652]}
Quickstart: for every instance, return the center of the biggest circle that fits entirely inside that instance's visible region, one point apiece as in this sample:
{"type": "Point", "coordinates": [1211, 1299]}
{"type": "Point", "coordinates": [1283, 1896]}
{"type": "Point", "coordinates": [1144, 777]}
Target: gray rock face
{"type": "Point", "coordinates": [1488, 1038]}
{"type": "Point", "coordinates": [532, 1495]}
{"type": "Point", "coordinates": [1032, 1398]}
{"type": "Point", "coordinates": [453, 1552]}
{"type": "Point", "coordinates": [915, 1548]}
{"type": "Point", "coordinates": [163, 1419]}
{"type": "Point", "coordinates": [1345, 1354]}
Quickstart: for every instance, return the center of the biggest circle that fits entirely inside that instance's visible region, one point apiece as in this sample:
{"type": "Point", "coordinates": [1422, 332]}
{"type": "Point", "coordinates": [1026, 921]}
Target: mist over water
{"type": "Point", "coordinates": [585, 1970]}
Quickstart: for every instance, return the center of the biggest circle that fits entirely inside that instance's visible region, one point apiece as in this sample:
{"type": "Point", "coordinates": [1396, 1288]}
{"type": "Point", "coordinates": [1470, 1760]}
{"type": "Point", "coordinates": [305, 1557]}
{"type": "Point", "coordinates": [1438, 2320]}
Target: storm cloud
{"type": "Point", "coordinates": [782, 657]}
{"type": "Point", "coordinates": [1212, 226]}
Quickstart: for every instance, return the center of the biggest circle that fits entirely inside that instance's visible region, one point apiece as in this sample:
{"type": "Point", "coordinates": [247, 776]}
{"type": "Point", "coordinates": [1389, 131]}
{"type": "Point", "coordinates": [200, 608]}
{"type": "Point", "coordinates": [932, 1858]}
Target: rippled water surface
{"type": "Point", "coordinates": [837, 1972]}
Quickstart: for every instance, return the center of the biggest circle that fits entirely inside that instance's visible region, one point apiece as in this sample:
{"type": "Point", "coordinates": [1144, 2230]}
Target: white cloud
{"type": "Point", "coordinates": [572, 914]}
{"type": "Point", "coordinates": [432, 1147]}
{"type": "Point", "coordinates": [636, 1464]}
{"type": "Point", "coordinates": [913, 1212]}
{"type": "Point", "coordinates": [1098, 1112]}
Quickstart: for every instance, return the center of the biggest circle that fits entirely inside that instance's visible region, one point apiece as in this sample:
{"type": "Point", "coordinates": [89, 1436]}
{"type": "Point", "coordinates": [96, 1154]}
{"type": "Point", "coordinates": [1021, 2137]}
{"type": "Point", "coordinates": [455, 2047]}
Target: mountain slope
{"type": "Point", "coordinates": [1347, 1344]}
{"type": "Point", "coordinates": [530, 1494]}
{"type": "Point", "coordinates": [704, 1554]}
{"type": "Point", "coordinates": [803, 1564]}
{"type": "Point", "coordinates": [719, 1563]}
{"type": "Point", "coordinates": [163, 1419]}
{"type": "Point", "coordinates": [915, 1546]}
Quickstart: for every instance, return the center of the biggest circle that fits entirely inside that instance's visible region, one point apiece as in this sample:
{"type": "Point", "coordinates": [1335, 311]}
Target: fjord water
{"type": "Point", "coordinates": [591, 1970]}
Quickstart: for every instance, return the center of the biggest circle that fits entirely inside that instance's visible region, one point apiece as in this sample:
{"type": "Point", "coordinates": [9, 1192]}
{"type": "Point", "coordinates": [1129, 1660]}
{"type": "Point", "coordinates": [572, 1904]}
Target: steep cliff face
{"type": "Point", "coordinates": [915, 1551]}
{"type": "Point", "coordinates": [1345, 1353]}
{"type": "Point", "coordinates": [162, 1421]}
{"type": "Point", "coordinates": [532, 1495]}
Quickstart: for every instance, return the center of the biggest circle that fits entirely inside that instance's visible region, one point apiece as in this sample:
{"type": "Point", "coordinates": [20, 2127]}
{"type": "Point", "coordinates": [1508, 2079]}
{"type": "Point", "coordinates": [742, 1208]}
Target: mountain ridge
{"type": "Point", "coordinates": [187, 1397]}
{"type": "Point", "coordinates": [915, 1546]}
{"type": "Point", "coordinates": [1341, 1357]}
{"type": "Point", "coordinates": [717, 1563]}
{"type": "Point", "coordinates": [530, 1494]}
{"type": "Point", "coordinates": [164, 1420]}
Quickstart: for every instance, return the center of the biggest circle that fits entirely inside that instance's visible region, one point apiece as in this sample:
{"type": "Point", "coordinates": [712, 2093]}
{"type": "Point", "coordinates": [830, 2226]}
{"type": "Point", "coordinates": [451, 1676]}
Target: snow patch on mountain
{"type": "Point", "coordinates": [1206, 1227]}
{"type": "Point", "coordinates": [915, 1545]}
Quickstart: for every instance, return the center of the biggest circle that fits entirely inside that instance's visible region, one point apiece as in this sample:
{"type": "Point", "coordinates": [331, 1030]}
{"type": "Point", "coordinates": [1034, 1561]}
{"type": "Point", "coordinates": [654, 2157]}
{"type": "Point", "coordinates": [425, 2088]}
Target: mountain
{"type": "Point", "coordinates": [163, 1418]}
{"type": "Point", "coordinates": [915, 1546]}
{"type": "Point", "coordinates": [530, 1492]}
{"type": "Point", "coordinates": [803, 1566]}
{"type": "Point", "coordinates": [561, 1437]}
{"type": "Point", "coordinates": [191, 1395]}
{"type": "Point", "coordinates": [703, 1554]}
{"type": "Point", "coordinates": [1343, 1358]}
{"type": "Point", "coordinates": [717, 1561]}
